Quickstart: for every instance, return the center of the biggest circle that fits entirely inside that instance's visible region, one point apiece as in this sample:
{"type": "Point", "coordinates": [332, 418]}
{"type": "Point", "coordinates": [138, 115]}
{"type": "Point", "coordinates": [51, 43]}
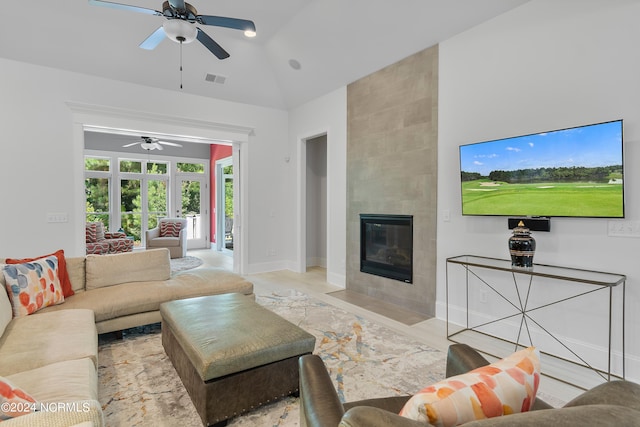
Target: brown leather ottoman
{"type": "Point", "coordinates": [232, 354]}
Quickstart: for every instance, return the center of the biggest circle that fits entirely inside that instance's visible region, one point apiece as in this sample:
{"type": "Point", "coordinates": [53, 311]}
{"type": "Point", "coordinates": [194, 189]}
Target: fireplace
{"type": "Point", "coordinates": [386, 246]}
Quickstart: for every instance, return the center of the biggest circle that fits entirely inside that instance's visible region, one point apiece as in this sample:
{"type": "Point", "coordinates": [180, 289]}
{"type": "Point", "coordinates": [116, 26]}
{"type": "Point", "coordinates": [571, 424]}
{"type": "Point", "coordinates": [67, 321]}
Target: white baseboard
{"type": "Point", "coordinates": [266, 267]}
{"type": "Point", "coordinates": [317, 262]}
{"type": "Point", "coordinates": [337, 279]}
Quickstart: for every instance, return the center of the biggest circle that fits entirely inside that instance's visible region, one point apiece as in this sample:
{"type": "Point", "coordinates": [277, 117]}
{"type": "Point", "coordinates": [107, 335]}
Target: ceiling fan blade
{"type": "Point", "coordinates": [131, 145]}
{"type": "Point", "coordinates": [214, 47]}
{"type": "Point", "coordinates": [124, 7]}
{"type": "Point", "coordinates": [173, 144]}
{"type": "Point", "coordinates": [154, 39]}
{"type": "Point", "coordinates": [221, 21]}
{"type": "Point", "coordinates": [177, 4]}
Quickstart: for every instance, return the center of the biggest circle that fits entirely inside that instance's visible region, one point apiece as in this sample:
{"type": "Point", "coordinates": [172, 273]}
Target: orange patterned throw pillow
{"type": "Point", "coordinates": [14, 401]}
{"type": "Point", "coordinates": [63, 274]}
{"type": "Point", "coordinates": [505, 387]}
{"type": "Point", "coordinates": [170, 229]}
{"type": "Point", "coordinates": [33, 285]}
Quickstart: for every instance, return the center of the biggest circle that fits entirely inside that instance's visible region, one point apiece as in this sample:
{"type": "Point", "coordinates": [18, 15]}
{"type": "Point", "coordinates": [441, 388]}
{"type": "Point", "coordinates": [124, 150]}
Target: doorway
{"type": "Point", "coordinates": [224, 205]}
{"type": "Point", "coordinates": [110, 120]}
{"type": "Point", "coordinates": [316, 202]}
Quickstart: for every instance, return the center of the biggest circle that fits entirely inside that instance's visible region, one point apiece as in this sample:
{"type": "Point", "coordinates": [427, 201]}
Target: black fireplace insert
{"type": "Point", "coordinates": [386, 246]}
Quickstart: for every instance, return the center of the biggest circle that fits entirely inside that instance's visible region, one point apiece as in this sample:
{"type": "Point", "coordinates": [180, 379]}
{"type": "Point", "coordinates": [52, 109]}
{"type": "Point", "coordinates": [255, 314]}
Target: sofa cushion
{"type": "Point", "coordinates": [120, 245]}
{"type": "Point", "coordinates": [76, 269]}
{"type": "Point", "coordinates": [115, 269]}
{"type": "Point", "coordinates": [140, 297]}
{"type": "Point", "coordinates": [33, 285]}
{"type": "Point", "coordinates": [97, 248]}
{"type": "Point", "coordinates": [63, 274]}
{"type": "Point", "coordinates": [34, 341]}
{"type": "Point", "coordinates": [505, 387]}
{"type": "Point", "coordinates": [6, 310]}
{"type": "Point", "coordinates": [579, 416]}
{"type": "Point", "coordinates": [66, 381]}
{"type": "Point", "coordinates": [14, 401]}
{"type": "Point", "coordinates": [163, 242]}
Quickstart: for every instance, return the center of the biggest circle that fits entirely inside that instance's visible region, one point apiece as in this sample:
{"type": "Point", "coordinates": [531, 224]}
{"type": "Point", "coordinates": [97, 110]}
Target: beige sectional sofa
{"type": "Point", "coordinates": [53, 353]}
{"type": "Point", "coordinates": [126, 290]}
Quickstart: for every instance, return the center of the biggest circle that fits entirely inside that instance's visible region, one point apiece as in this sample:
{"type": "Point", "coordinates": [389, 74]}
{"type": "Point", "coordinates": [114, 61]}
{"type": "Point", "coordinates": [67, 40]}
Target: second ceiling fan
{"type": "Point", "coordinates": [180, 26]}
{"type": "Point", "coordinates": [149, 143]}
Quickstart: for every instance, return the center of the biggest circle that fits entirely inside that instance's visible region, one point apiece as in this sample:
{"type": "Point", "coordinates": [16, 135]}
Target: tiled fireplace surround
{"type": "Point", "coordinates": [392, 139]}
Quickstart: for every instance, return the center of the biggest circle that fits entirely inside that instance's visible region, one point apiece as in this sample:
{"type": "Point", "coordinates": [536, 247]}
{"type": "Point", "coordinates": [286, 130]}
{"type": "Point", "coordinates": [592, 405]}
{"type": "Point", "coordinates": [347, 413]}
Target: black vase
{"type": "Point", "coordinates": [522, 247]}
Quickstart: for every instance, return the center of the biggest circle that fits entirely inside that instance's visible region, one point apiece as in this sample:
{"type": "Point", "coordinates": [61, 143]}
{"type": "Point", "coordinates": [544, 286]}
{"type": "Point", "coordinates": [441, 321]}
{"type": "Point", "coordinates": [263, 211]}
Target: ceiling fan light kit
{"type": "Point", "coordinates": [180, 31]}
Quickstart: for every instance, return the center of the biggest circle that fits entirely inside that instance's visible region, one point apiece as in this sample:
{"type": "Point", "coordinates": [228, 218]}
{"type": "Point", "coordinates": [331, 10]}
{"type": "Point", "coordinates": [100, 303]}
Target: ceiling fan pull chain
{"type": "Point", "coordinates": [180, 64]}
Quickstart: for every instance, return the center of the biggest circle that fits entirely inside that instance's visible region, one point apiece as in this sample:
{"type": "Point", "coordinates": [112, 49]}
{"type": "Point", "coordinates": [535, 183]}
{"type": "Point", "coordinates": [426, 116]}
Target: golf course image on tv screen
{"type": "Point", "coordinates": [575, 172]}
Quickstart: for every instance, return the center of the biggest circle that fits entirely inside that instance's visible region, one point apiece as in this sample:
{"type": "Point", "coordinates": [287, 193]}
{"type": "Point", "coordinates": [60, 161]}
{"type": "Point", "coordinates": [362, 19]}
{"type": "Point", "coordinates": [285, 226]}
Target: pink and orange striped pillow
{"type": "Point", "coordinates": [505, 387]}
{"type": "Point", "coordinates": [170, 229]}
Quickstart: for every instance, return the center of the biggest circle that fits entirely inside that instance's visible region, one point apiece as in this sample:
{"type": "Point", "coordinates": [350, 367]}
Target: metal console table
{"type": "Point", "coordinates": [497, 309]}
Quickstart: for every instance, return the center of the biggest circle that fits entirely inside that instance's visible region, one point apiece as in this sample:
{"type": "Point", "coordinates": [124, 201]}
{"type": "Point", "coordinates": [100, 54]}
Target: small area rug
{"type": "Point", "coordinates": [185, 263]}
{"type": "Point", "coordinates": [139, 387]}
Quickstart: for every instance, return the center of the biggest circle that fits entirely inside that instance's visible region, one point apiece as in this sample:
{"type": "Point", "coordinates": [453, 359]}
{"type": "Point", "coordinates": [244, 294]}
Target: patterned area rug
{"type": "Point", "coordinates": [185, 263]}
{"type": "Point", "coordinates": [138, 385]}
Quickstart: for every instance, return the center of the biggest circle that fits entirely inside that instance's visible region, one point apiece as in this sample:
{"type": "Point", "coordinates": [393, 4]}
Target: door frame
{"type": "Point", "coordinates": [134, 122]}
{"type": "Point", "coordinates": [302, 201]}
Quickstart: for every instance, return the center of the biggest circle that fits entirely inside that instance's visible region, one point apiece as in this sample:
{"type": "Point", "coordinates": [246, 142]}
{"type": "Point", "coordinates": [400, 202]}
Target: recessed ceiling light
{"type": "Point", "coordinates": [295, 64]}
{"type": "Point", "coordinates": [249, 33]}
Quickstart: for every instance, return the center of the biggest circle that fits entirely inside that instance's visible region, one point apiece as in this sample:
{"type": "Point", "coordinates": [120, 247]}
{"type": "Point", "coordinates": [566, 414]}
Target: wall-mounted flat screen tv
{"type": "Point", "coordinates": [575, 172]}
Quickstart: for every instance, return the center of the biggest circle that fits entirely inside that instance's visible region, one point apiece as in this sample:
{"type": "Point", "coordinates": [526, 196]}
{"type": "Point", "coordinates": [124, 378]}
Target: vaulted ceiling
{"type": "Point", "coordinates": [335, 42]}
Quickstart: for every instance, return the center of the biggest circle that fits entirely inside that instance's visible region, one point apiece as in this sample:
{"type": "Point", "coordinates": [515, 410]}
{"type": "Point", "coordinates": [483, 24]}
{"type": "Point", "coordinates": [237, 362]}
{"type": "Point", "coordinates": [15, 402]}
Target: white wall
{"type": "Point", "coordinates": [543, 66]}
{"type": "Point", "coordinates": [327, 114]}
{"type": "Point", "coordinates": [41, 162]}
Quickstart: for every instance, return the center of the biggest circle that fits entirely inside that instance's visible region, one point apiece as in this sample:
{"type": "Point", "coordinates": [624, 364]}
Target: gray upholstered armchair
{"type": "Point", "coordinates": [612, 403]}
{"type": "Point", "coordinates": [171, 233]}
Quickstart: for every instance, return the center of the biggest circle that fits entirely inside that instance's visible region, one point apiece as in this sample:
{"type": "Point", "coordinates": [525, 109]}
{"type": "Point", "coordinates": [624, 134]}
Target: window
{"type": "Point", "coordinates": [157, 197]}
{"type": "Point", "coordinates": [131, 209]}
{"type": "Point", "coordinates": [134, 166]}
{"type": "Point", "coordinates": [97, 164]}
{"type": "Point", "coordinates": [132, 194]}
{"type": "Point", "coordinates": [157, 168]}
{"type": "Point", "coordinates": [143, 196]}
{"type": "Point", "coordinates": [97, 188]}
{"type": "Point", "coordinates": [190, 167]}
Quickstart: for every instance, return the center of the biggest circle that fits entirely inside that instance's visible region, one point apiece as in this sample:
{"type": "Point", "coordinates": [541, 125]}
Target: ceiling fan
{"type": "Point", "coordinates": [148, 143]}
{"type": "Point", "coordinates": [180, 25]}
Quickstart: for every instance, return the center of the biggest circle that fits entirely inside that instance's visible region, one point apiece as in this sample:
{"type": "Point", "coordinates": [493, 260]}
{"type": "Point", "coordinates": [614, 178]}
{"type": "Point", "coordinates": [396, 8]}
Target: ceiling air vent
{"type": "Point", "coordinates": [213, 78]}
